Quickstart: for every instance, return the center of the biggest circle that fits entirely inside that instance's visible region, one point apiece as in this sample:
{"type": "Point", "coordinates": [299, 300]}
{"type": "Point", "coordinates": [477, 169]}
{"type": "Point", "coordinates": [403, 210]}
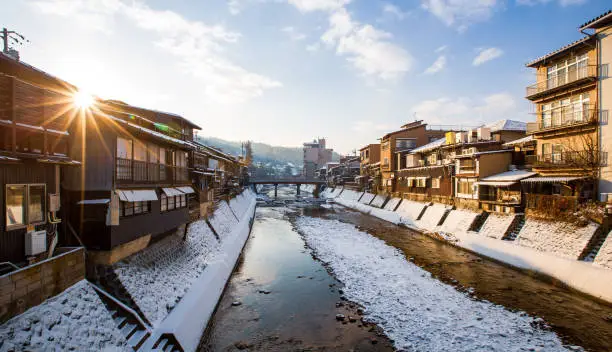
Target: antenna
{"type": "Point", "coordinates": [16, 38]}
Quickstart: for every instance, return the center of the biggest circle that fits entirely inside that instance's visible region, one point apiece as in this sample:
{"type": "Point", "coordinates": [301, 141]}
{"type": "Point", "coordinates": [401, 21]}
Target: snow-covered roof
{"type": "Point", "coordinates": [507, 125]}
{"type": "Point", "coordinates": [550, 179]}
{"type": "Point", "coordinates": [496, 183]}
{"type": "Point", "coordinates": [515, 175]}
{"type": "Point", "coordinates": [8, 158]}
{"type": "Point", "coordinates": [519, 141]}
{"type": "Point", "coordinates": [429, 146]}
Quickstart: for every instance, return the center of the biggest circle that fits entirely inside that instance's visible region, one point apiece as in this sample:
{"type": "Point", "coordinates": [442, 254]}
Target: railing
{"type": "Point", "coordinates": [578, 159]}
{"type": "Point", "coordinates": [558, 81]}
{"type": "Point", "coordinates": [562, 118]}
{"type": "Point", "coordinates": [551, 203]}
{"type": "Point", "coordinates": [134, 171]}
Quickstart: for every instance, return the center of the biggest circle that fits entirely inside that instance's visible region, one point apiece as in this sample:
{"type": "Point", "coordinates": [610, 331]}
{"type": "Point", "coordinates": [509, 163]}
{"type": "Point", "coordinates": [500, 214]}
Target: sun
{"type": "Point", "coordinates": [82, 100]}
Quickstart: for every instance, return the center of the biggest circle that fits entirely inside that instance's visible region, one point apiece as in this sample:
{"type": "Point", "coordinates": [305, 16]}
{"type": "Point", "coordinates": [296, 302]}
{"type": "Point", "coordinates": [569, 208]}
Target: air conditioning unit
{"type": "Point", "coordinates": [35, 242]}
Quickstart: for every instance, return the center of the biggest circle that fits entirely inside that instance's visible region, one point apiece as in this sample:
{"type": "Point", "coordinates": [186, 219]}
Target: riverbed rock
{"type": "Point", "coordinates": [340, 317]}
{"type": "Point", "coordinates": [265, 292]}
{"type": "Point", "coordinates": [242, 345]}
{"type": "Point", "coordinates": [236, 303]}
{"type": "Point", "coordinates": [352, 319]}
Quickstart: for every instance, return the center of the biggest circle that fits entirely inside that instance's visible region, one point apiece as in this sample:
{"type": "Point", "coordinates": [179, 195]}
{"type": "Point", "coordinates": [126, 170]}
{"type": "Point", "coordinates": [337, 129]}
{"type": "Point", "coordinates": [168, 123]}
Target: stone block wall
{"type": "Point", "coordinates": [30, 286]}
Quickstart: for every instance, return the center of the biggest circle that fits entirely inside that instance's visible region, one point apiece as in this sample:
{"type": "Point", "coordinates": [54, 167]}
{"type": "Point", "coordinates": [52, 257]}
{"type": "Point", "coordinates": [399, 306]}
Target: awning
{"type": "Point", "coordinates": [186, 189]}
{"type": "Point", "coordinates": [171, 192]}
{"type": "Point", "coordinates": [134, 195]}
{"type": "Point", "coordinates": [94, 201]}
{"type": "Point", "coordinates": [496, 183]}
{"type": "Point", "coordinates": [551, 179]}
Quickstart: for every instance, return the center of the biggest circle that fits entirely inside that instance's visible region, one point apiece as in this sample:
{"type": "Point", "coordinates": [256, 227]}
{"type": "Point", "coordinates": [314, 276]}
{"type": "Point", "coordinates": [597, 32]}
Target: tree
{"type": "Point", "coordinates": [248, 152]}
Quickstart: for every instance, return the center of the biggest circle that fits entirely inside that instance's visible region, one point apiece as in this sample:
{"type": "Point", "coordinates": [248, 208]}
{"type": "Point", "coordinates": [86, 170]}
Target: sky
{"type": "Point", "coordinates": [285, 71]}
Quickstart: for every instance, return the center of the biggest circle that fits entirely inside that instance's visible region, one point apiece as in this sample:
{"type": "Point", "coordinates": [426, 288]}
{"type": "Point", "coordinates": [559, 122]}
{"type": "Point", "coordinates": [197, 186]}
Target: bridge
{"type": "Point", "coordinates": [298, 181]}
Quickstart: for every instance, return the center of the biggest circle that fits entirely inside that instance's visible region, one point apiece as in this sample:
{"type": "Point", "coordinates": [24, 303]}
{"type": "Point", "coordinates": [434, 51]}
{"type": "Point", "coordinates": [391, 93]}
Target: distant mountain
{"type": "Point", "coordinates": [262, 152]}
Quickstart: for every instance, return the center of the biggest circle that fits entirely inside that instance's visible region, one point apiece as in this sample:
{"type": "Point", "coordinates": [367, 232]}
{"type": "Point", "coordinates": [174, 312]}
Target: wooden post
{"type": "Point", "coordinates": [298, 188]}
{"type": "Point", "coordinates": [275, 190]}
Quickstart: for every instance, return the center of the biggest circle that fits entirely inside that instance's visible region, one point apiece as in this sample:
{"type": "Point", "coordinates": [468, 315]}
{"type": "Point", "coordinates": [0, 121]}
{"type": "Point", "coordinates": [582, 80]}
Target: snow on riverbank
{"type": "Point", "coordinates": [496, 225]}
{"type": "Point", "coordinates": [367, 198]}
{"type": "Point", "coordinates": [416, 311]}
{"type": "Point", "coordinates": [223, 220]}
{"type": "Point", "coordinates": [558, 237]}
{"type": "Point", "coordinates": [458, 221]}
{"type": "Point", "coordinates": [392, 204]}
{"type": "Point", "coordinates": [432, 216]}
{"type": "Point", "coordinates": [378, 201]}
{"type": "Point", "coordinates": [604, 257]}
{"type": "Point", "coordinates": [159, 276]}
{"type": "Point", "coordinates": [76, 319]}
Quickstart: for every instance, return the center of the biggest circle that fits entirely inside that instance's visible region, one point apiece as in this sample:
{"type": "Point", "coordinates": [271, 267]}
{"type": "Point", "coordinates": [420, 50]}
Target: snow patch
{"type": "Point", "coordinates": [223, 220]}
{"type": "Point", "coordinates": [76, 319]}
{"type": "Point", "coordinates": [496, 225]}
{"type": "Point", "coordinates": [160, 275]}
{"type": "Point", "coordinates": [604, 256]}
{"type": "Point", "coordinates": [392, 203]}
{"type": "Point", "coordinates": [378, 201]}
{"type": "Point", "coordinates": [418, 312]}
{"type": "Point", "coordinates": [558, 237]}
{"type": "Point", "coordinates": [367, 198]}
{"type": "Point", "coordinates": [410, 210]}
{"type": "Point", "coordinates": [458, 220]}
{"type": "Point", "coordinates": [432, 216]}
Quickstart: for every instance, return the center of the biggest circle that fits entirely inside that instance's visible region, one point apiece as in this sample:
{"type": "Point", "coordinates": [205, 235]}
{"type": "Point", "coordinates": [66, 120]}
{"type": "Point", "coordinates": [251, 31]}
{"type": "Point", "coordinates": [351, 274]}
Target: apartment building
{"type": "Point", "coordinates": [395, 145]}
{"type": "Point", "coordinates": [316, 155]}
{"type": "Point", "coordinates": [570, 128]}
{"type": "Point", "coordinates": [369, 160]}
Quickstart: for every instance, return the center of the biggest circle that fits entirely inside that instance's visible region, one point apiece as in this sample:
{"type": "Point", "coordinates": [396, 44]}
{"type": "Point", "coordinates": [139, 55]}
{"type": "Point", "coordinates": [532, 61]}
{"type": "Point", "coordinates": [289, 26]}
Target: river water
{"type": "Point", "coordinates": [285, 300]}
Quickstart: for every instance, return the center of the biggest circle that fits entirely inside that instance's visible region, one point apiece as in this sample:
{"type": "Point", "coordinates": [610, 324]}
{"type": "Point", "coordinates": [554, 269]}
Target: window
{"type": "Point", "coordinates": [567, 71]}
{"type": "Point", "coordinates": [124, 148]}
{"type": "Point", "coordinates": [421, 182]}
{"type": "Point", "coordinates": [164, 202]}
{"type": "Point", "coordinates": [435, 182]}
{"type": "Point", "coordinates": [25, 204]}
{"type": "Point", "coordinates": [135, 208]}
{"type": "Point", "coordinates": [466, 187]}
{"type": "Point", "coordinates": [140, 151]}
{"type": "Point", "coordinates": [432, 159]}
{"type": "Point", "coordinates": [405, 143]}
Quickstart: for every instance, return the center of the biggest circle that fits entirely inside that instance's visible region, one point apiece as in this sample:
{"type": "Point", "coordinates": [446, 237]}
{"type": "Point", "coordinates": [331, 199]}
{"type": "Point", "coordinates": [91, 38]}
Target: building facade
{"type": "Point", "coordinates": [316, 155]}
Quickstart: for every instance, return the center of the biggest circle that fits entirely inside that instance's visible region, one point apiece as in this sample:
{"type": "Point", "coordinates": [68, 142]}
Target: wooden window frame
{"type": "Point", "coordinates": [26, 210]}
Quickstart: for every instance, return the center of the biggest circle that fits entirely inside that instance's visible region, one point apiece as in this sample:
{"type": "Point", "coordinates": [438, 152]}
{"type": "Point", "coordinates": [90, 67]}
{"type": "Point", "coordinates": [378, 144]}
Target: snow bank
{"type": "Point", "coordinates": [418, 312]}
{"type": "Point", "coordinates": [350, 195]}
{"type": "Point", "coordinates": [191, 315]}
{"type": "Point", "coordinates": [558, 237]}
{"type": "Point", "coordinates": [378, 201]}
{"type": "Point", "coordinates": [432, 216]}
{"type": "Point", "coordinates": [240, 204]}
{"type": "Point", "coordinates": [410, 210]}
{"type": "Point", "coordinates": [367, 198]}
{"type": "Point", "coordinates": [327, 192]}
{"type": "Point", "coordinates": [336, 192]}
{"type": "Point", "coordinates": [392, 203]}
{"type": "Point", "coordinates": [604, 257]}
{"type": "Point", "coordinates": [76, 319]}
{"type": "Point", "coordinates": [496, 225]}
{"type": "Point", "coordinates": [160, 275]}
{"type": "Point", "coordinates": [458, 220]}
{"type": "Point", "coordinates": [223, 219]}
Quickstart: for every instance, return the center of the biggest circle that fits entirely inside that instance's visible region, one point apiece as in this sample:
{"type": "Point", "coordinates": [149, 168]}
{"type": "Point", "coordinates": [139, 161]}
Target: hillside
{"type": "Point", "coordinates": [262, 152]}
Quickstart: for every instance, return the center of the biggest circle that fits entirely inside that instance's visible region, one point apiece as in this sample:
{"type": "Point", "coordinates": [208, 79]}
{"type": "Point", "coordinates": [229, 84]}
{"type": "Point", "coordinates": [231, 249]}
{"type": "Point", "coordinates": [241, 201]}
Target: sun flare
{"type": "Point", "coordinates": [83, 100]}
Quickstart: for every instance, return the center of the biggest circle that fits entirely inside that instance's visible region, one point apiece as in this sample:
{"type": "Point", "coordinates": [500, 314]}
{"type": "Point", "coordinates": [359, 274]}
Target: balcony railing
{"type": "Point", "coordinates": [577, 159]}
{"type": "Point", "coordinates": [572, 76]}
{"type": "Point", "coordinates": [134, 171]}
{"type": "Point", "coordinates": [564, 118]}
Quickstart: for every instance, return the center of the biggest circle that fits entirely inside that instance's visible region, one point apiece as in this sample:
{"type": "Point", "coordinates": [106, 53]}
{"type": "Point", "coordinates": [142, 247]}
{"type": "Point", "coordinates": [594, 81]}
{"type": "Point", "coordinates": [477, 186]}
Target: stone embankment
{"type": "Point", "coordinates": [552, 248]}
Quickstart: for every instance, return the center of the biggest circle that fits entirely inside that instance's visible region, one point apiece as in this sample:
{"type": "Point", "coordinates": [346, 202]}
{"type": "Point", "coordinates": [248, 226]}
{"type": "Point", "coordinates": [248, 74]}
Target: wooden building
{"type": "Point", "coordinates": [369, 156]}
{"type": "Point", "coordinates": [34, 147]}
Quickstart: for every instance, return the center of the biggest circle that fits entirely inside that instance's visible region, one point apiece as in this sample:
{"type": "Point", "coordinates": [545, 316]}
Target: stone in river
{"type": "Point", "coordinates": [340, 317]}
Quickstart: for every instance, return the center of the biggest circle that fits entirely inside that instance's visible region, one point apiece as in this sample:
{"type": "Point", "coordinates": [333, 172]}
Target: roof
{"type": "Point", "coordinates": [520, 141]}
{"type": "Point", "coordinates": [370, 145]}
{"type": "Point", "coordinates": [593, 22]}
{"type": "Point", "coordinates": [507, 125]}
{"type": "Point", "coordinates": [118, 102]}
{"type": "Point", "coordinates": [559, 51]}
{"type": "Point", "coordinates": [515, 175]}
{"type": "Point", "coordinates": [496, 183]}
{"type": "Point", "coordinates": [551, 179]}
{"type": "Point", "coordinates": [429, 146]}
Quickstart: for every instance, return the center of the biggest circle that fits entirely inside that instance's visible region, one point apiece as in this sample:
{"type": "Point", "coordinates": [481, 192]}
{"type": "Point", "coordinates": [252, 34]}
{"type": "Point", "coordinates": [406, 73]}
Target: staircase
{"type": "Point", "coordinates": [132, 328]}
{"type": "Point", "coordinates": [592, 248]}
{"type": "Point", "coordinates": [479, 221]}
{"type": "Point", "coordinates": [167, 343]}
{"type": "Point", "coordinates": [515, 227]}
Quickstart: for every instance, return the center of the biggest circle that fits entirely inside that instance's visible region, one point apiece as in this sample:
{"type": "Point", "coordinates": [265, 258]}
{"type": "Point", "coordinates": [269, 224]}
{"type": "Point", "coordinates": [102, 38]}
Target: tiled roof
{"type": "Point", "coordinates": [595, 19]}
{"type": "Point", "coordinates": [558, 51]}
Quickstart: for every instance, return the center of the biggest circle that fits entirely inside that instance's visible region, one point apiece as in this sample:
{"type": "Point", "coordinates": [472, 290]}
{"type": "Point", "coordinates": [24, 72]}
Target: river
{"type": "Point", "coordinates": [280, 298]}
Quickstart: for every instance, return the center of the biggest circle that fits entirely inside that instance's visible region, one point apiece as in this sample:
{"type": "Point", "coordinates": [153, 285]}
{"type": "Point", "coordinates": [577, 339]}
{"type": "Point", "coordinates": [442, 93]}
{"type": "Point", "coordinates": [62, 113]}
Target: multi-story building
{"type": "Point", "coordinates": [316, 155]}
{"type": "Point", "coordinates": [395, 145]}
{"type": "Point", "coordinates": [369, 159]}
{"type": "Point", "coordinates": [568, 130]}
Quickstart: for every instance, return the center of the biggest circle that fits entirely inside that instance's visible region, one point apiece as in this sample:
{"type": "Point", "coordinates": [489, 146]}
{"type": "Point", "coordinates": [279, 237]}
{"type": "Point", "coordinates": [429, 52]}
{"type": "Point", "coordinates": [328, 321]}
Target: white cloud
{"type": "Point", "coordinates": [364, 126]}
{"type": "Point", "coordinates": [366, 47]}
{"type": "Point", "coordinates": [487, 54]}
{"type": "Point", "coordinates": [437, 66]}
{"type": "Point", "coordinates": [467, 111]}
{"type": "Point", "coordinates": [293, 34]}
{"type": "Point", "coordinates": [197, 46]}
{"type": "Point", "coordinates": [313, 47]}
{"type": "Point", "coordinates": [318, 5]}
{"type": "Point", "coordinates": [460, 13]}
{"type": "Point", "coordinates": [395, 11]}
{"type": "Point", "coordinates": [562, 3]}
{"type": "Point", "coordinates": [441, 48]}
{"type": "Point", "coordinates": [234, 6]}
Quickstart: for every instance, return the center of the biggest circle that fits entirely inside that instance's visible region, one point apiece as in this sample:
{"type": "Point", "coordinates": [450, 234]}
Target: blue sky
{"type": "Point", "coordinates": [285, 71]}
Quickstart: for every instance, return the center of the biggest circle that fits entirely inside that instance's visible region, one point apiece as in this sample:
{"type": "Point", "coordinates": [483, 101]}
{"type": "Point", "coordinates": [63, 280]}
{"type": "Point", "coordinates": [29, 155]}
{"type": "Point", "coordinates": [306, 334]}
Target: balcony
{"type": "Point", "coordinates": [573, 77]}
{"type": "Point", "coordinates": [141, 172]}
{"type": "Point", "coordinates": [566, 118]}
{"type": "Point", "coordinates": [574, 159]}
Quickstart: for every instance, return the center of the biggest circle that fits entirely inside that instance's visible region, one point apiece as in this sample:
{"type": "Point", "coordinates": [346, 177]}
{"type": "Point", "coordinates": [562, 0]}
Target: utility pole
{"type": "Point", "coordinates": [7, 35]}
